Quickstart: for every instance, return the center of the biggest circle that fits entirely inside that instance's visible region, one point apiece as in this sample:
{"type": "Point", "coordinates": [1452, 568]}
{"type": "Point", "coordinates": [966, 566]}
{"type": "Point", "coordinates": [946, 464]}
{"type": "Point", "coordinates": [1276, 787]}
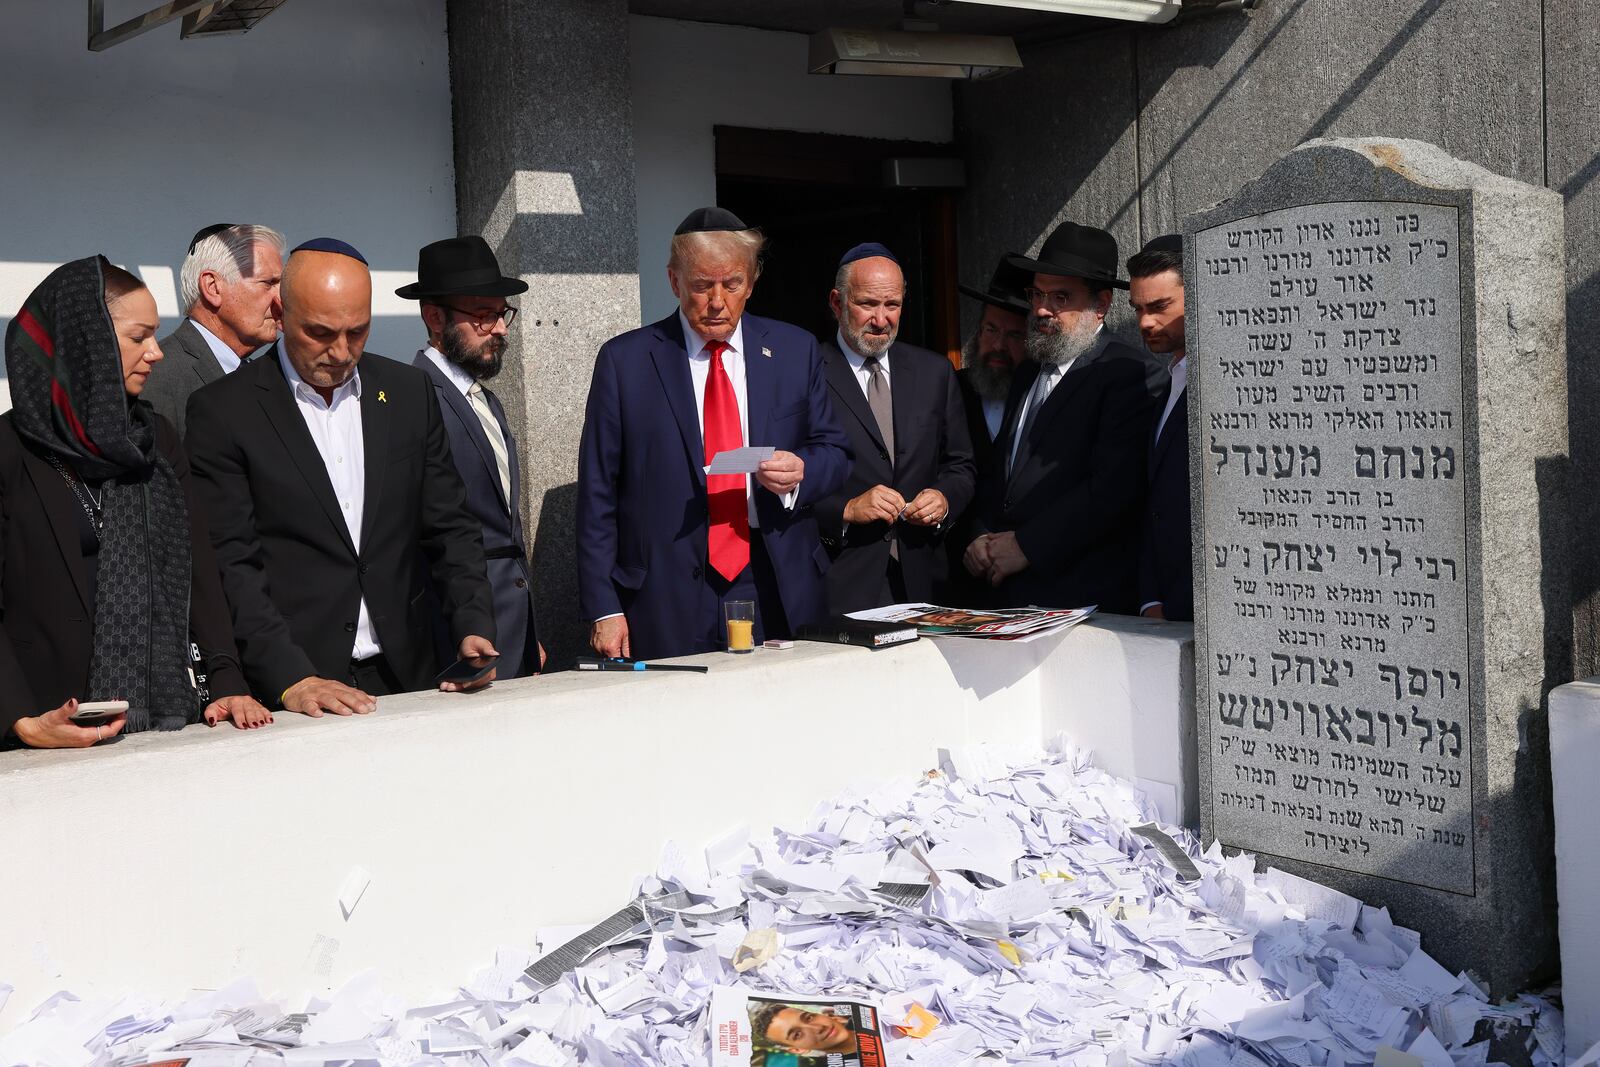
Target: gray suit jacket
{"type": "Point", "coordinates": [504, 545]}
{"type": "Point", "coordinates": [187, 363]}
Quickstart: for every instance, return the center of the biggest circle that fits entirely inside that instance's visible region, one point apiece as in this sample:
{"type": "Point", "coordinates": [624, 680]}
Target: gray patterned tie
{"type": "Point", "coordinates": [497, 441]}
{"type": "Point", "coordinates": [882, 405]}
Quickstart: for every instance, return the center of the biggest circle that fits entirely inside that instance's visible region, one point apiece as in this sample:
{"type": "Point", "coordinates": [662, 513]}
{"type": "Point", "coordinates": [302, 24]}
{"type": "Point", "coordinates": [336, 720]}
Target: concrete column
{"type": "Point", "coordinates": [544, 171]}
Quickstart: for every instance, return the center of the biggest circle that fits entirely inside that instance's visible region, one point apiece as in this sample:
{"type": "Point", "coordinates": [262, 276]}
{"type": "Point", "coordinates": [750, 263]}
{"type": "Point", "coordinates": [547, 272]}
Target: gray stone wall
{"type": "Point", "coordinates": [1134, 128]}
{"type": "Point", "coordinates": [544, 170]}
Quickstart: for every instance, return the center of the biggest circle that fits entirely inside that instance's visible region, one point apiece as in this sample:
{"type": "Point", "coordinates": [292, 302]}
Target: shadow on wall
{"type": "Point", "coordinates": [1583, 381]}
{"type": "Point", "coordinates": [555, 576]}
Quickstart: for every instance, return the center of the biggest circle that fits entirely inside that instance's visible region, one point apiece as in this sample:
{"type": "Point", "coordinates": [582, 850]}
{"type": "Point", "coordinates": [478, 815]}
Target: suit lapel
{"type": "Point", "coordinates": [374, 446]}
{"type": "Point", "coordinates": [279, 405]}
{"type": "Point", "coordinates": [760, 381]}
{"type": "Point", "coordinates": [60, 507]}
{"type": "Point", "coordinates": [450, 397]}
{"type": "Point", "coordinates": [905, 387]}
{"type": "Point", "coordinates": [1176, 429]}
{"type": "Point", "coordinates": [1072, 381]}
{"type": "Point", "coordinates": [194, 345]}
{"type": "Point", "coordinates": [847, 390]}
{"type": "Point", "coordinates": [671, 361]}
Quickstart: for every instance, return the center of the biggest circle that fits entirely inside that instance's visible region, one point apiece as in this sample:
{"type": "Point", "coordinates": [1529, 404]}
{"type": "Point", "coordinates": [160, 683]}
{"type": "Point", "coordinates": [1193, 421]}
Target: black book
{"type": "Point", "coordinates": [843, 630]}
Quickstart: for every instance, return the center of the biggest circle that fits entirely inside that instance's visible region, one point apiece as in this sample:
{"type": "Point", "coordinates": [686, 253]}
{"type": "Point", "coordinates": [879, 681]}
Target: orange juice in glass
{"type": "Point", "coordinates": [741, 620]}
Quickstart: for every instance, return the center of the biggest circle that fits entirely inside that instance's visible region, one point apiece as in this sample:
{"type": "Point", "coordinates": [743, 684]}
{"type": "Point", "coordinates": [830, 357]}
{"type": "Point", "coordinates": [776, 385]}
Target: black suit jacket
{"type": "Point", "coordinates": [505, 548]}
{"type": "Point", "coordinates": [931, 451]}
{"type": "Point", "coordinates": [47, 630]}
{"type": "Point", "coordinates": [1074, 500]}
{"type": "Point", "coordinates": [293, 576]}
{"type": "Point", "coordinates": [1165, 559]}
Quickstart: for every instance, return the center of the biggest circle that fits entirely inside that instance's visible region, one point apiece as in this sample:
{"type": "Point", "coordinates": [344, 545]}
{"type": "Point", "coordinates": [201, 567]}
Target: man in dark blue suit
{"type": "Point", "coordinates": [662, 545]}
{"type": "Point", "coordinates": [1166, 583]}
{"type": "Point", "coordinates": [464, 308]}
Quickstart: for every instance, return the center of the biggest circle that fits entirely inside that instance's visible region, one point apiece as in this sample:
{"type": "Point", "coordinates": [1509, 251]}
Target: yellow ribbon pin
{"type": "Point", "coordinates": [381, 398]}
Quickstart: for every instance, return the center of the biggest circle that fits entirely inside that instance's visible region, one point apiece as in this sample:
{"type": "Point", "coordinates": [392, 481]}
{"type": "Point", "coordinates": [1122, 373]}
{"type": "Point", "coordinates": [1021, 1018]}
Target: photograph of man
{"type": "Point", "coordinates": [465, 311]}
{"type": "Point", "coordinates": [901, 409]}
{"type": "Point", "coordinates": [332, 496]}
{"type": "Point", "coordinates": [228, 289]}
{"type": "Point", "coordinates": [662, 544]}
{"type": "Point", "coordinates": [1059, 520]}
{"type": "Point", "coordinates": [801, 1029]}
{"type": "Point", "coordinates": [1166, 583]}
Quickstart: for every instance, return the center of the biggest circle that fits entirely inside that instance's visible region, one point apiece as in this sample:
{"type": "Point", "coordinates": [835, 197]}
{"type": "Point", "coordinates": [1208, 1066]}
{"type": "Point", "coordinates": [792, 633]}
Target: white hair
{"type": "Point", "coordinates": [230, 254]}
{"type": "Point", "coordinates": [687, 248]}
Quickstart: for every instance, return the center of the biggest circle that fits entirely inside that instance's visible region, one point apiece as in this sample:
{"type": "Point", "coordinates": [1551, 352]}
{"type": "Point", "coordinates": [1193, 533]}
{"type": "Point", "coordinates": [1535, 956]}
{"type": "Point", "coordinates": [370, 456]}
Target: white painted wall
{"type": "Point", "coordinates": [327, 119]}
{"type": "Point", "coordinates": [691, 76]}
{"type": "Point", "coordinates": [1574, 755]}
{"type": "Point", "coordinates": [171, 861]}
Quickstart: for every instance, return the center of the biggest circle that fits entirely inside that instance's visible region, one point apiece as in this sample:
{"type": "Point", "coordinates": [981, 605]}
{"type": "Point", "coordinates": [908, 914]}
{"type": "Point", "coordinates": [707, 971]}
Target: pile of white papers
{"type": "Point", "coordinates": [1006, 907]}
{"type": "Point", "coordinates": [989, 624]}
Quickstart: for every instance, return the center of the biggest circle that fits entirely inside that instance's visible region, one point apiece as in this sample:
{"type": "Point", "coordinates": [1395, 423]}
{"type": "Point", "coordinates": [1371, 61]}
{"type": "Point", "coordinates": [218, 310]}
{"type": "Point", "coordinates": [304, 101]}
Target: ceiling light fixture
{"type": "Point", "coordinates": [1132, 10]}
{"type": "Point", "coordinates": [915, 55]}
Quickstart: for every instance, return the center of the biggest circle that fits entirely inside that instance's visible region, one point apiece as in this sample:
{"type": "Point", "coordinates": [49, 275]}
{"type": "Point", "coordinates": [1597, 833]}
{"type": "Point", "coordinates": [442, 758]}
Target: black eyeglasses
{"type": "Point", "coordinates": [484, 320]}
{"type": "Point", "coordinates": [210, 231]}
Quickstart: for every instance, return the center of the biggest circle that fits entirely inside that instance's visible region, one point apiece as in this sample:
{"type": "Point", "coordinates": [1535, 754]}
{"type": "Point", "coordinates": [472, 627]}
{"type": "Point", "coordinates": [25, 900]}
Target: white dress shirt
{"type": "Point", "coordinates": [994, 412]}
{"type": "Point", "coordinates": [227, 358]}
{"type": "Point", "coordinates": [1180, 380]}
{"type": "Point", "coordinates": [336, 430]}
{"type": "Point", "coordinates": [858, 364]}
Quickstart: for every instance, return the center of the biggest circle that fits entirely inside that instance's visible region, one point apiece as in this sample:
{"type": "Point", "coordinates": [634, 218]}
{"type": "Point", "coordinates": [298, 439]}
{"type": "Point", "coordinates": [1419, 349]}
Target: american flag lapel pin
{"type": "Point", "coordinates": [767, 352]}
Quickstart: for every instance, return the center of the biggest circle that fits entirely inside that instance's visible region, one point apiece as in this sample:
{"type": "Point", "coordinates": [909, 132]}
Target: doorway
{"type": "Point", "coordinates": [817, 195]}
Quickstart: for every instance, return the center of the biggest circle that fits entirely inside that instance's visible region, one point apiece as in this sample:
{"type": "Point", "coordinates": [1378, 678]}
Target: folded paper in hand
{"type": "Point", "coordinates": [740, 460]}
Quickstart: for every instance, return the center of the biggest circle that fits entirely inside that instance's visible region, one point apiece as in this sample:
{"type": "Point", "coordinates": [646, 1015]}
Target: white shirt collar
{"type": "Point", "coordinates": [302, 391]}
{"type": "Point", "coordinates": [227, 358]}
{"type": "Point", "coordinates": [696, 345]}
{"type": "Point", "coordinates": [856, 360]}
{"type": "Point", "coordinates": [458, 377]}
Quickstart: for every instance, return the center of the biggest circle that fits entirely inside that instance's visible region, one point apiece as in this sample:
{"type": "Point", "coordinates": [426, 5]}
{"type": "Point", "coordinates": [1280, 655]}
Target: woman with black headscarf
{"type": "Point", "coordinates": [106, 570]}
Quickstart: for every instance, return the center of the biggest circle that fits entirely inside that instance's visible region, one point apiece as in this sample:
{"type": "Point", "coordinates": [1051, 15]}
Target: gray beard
{"type": "Point", "coordinates": [478, 368]}
{"type": "Point", "coordinates": [1062, 348]}
{"type": "Point", "coordinates": [867, 345]}
{"type": "Point", "coordinates": [990, 383]}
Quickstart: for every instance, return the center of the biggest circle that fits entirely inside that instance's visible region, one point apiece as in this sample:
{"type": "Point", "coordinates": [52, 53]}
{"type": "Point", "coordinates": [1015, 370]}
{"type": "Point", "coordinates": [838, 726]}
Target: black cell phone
{"type": "Point", "coordinates": [467, 671]}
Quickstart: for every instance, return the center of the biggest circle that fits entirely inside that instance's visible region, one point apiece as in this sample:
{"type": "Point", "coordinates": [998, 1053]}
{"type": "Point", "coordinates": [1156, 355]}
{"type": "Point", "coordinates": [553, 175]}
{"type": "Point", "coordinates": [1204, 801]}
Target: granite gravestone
{"type": "Point", "coordinates": [1377, 342]}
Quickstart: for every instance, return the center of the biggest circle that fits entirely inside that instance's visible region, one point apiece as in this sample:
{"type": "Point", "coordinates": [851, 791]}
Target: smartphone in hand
{"type": "Point", "coordinates": [98, 712]}
{"type": "Point", "coordinates": [467, 671]}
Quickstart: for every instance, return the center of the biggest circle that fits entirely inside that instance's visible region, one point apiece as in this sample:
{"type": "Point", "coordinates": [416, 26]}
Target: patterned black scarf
{"type": "Point", "coordinates": [68, 401]}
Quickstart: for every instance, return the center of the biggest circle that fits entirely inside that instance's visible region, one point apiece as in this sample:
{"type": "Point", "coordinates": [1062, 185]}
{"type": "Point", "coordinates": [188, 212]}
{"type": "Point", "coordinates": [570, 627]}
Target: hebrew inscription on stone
{"type": "Point", "coordinates": [1335, 585]}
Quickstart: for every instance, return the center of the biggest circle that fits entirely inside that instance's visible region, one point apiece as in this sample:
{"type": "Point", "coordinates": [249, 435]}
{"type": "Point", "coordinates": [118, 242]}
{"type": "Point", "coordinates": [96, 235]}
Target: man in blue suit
{"type": "Point", "coordinates": [662, 545]}
{"type": "Point", "coordinates": [1166, 584]}
{"type": "Point", "coordinates": [464, 308]}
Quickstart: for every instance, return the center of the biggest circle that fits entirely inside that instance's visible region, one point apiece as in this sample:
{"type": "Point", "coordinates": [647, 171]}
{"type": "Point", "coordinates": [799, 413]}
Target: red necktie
{"type": "Point", "coordinates": [728, 538]}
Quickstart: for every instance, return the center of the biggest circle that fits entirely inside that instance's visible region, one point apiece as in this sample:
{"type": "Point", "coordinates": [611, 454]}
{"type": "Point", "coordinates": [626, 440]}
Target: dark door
{"type": "Point", "coordinates": [817, 195]}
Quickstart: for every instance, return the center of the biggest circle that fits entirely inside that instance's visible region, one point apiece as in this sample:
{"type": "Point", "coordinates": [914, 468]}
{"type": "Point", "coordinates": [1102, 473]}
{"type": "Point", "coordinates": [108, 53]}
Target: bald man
{"type": "Point", "coordinates": [330, 490]}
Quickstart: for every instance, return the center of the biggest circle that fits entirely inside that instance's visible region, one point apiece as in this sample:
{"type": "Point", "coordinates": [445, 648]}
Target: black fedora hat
{"type": "Point", "coordinates": [459, 266]}
{"type": "Point", "coordinates": [1075, 251]}
{"type": "Point", "coordinates": [1005, 288]}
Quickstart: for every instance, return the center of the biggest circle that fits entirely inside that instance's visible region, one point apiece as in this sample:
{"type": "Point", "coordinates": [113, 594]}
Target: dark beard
{"type": "Point", "coordinates": [990, 383]}
{"type": "Point", "coordinates": [479, 368]}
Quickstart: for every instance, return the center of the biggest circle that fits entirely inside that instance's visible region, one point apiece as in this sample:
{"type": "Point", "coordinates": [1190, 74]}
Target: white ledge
{"type": "Point", "coordinates": [175, 861]}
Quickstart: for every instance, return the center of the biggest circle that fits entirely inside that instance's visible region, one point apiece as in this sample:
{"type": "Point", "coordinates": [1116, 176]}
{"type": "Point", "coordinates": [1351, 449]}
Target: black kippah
{"type": "Point", "coordinates": [1167, 242]}
{"type": "Point", "coordinates": [709, 220]}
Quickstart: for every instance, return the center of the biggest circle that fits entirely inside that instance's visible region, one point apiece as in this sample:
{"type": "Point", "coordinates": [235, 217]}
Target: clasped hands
{"type": "Point", "coordinates": [313, 696]}
{"type": "Point", "coordinates": [995, 557]}
{"type": "Point", "coordinates": [883, 504]}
